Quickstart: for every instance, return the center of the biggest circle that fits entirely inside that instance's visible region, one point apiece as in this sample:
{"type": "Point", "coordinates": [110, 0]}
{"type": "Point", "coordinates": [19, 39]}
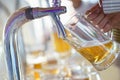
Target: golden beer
{"type": "Point", "coordinates": [38, 66]}
{"type": "Point", "coordinates": [59, 44]}
{"type": "Point", "coordinates": [37, 76]}
{"type": "Point", "coordinates": [96, 53]}
{"type": "Point", "coordinates": [31, 73]}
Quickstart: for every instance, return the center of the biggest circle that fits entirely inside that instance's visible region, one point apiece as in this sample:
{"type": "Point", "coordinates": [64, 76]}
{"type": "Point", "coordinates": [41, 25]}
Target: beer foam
{"type": "Point", "coordinates": [94, 43]}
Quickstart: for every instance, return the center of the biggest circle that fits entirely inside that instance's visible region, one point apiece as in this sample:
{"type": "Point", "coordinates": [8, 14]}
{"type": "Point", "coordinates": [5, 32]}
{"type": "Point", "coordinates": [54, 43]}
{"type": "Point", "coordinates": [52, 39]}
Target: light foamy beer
{"type": "Point", "coordinates": [95, 52]}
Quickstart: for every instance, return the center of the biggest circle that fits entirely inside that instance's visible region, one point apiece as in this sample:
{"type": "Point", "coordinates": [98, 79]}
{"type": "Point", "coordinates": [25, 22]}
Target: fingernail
{"type": "Point", "coordinates": [91, 21]}
{"type": "Point", "coordinates": [85, 16]}
{"type": "Point", "coordinates": [96, 26]}
{"type": "Point", "coordinates": [102, 30]}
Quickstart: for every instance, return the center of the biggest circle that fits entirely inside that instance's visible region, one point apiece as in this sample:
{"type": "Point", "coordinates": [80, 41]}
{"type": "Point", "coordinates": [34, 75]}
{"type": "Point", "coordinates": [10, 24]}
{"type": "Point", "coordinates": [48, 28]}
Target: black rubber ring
{"type": "Point", "coordinates": [29, 13]}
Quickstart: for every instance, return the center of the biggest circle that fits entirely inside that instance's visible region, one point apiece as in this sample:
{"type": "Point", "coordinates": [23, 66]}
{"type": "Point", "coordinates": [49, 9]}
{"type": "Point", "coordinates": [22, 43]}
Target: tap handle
{"type": "Point", "coordinates": [56, 3]}
{"type": "Point", "coordinates": [59, 26]}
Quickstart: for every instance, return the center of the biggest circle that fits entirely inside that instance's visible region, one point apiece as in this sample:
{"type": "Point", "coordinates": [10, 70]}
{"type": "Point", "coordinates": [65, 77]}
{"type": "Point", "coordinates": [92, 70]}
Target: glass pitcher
{"type": "Point", "coordinates": [97, 47]}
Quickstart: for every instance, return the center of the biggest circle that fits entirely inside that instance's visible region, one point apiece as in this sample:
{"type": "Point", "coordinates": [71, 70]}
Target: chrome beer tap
{"type": "Point", "coordinates": [13, 45]}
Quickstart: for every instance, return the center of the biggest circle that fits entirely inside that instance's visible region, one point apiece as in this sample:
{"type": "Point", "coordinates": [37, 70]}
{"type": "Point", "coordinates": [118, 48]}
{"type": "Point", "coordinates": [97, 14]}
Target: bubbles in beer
{"type": "Point", "coordinates": [94, 51]}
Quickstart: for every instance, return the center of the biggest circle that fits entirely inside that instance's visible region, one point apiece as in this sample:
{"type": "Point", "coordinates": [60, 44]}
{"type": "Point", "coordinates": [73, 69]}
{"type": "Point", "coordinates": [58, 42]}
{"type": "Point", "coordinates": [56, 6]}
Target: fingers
{"type": "Point", "coordinates": [107, 28]}
{"type": "Point", "coordinates": [93, 13]}
{"type": "Point", "coordinates": [92, 9]}
{"type": "Point", "coordinates": [104, 21]}
{"type": "Point", "coordinates": [76, 3]}
{"type": "Point", "coordinates": [107, 23]}
{"type": "Point", "coordinates": [98, 19]}
{"type": "Point", "coordinates": [116, 21]}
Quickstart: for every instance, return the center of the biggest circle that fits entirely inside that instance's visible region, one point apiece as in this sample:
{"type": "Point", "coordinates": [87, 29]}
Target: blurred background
{"type": "Point", "coordinates": [48, 57]}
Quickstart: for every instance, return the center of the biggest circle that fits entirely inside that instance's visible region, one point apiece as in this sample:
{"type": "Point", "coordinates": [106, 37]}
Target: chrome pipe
{"type": "Point", "coordinates": [10, 36]}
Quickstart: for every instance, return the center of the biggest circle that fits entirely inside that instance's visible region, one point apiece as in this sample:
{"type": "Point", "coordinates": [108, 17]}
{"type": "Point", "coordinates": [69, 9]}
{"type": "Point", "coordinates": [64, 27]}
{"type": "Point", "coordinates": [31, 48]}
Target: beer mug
{"type": "Point", "coordinates": [97, 47]}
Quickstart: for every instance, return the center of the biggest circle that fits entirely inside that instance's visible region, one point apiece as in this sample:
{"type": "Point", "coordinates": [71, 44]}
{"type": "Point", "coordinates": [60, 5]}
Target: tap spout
{"type": "Point", "coordinates": [12, 49]}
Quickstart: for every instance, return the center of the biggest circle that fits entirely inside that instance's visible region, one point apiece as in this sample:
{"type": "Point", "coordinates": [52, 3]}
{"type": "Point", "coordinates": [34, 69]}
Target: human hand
{"type": "Point", "coordinates": [76, 3]}
{"type": "Point", "coordinates": [105, 22]}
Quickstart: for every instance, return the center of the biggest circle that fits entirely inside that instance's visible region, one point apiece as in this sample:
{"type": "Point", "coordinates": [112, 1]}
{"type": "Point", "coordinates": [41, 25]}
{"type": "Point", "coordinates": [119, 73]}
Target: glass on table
{"type": "Point", "coordinates": [51, 66]}
{"type": "Point", "coordinates": [42, 69]}
{"type": "Point", "coordinates": [81, 69]}
{"type": "Point", "coordinates": [78, 74]}
{"type": "Point", "coordinates": [32, 74]}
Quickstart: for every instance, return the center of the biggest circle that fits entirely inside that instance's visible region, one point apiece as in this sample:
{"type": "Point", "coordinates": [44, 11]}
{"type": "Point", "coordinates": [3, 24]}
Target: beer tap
{"type": "Point", "coordinates": [13, 46]}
